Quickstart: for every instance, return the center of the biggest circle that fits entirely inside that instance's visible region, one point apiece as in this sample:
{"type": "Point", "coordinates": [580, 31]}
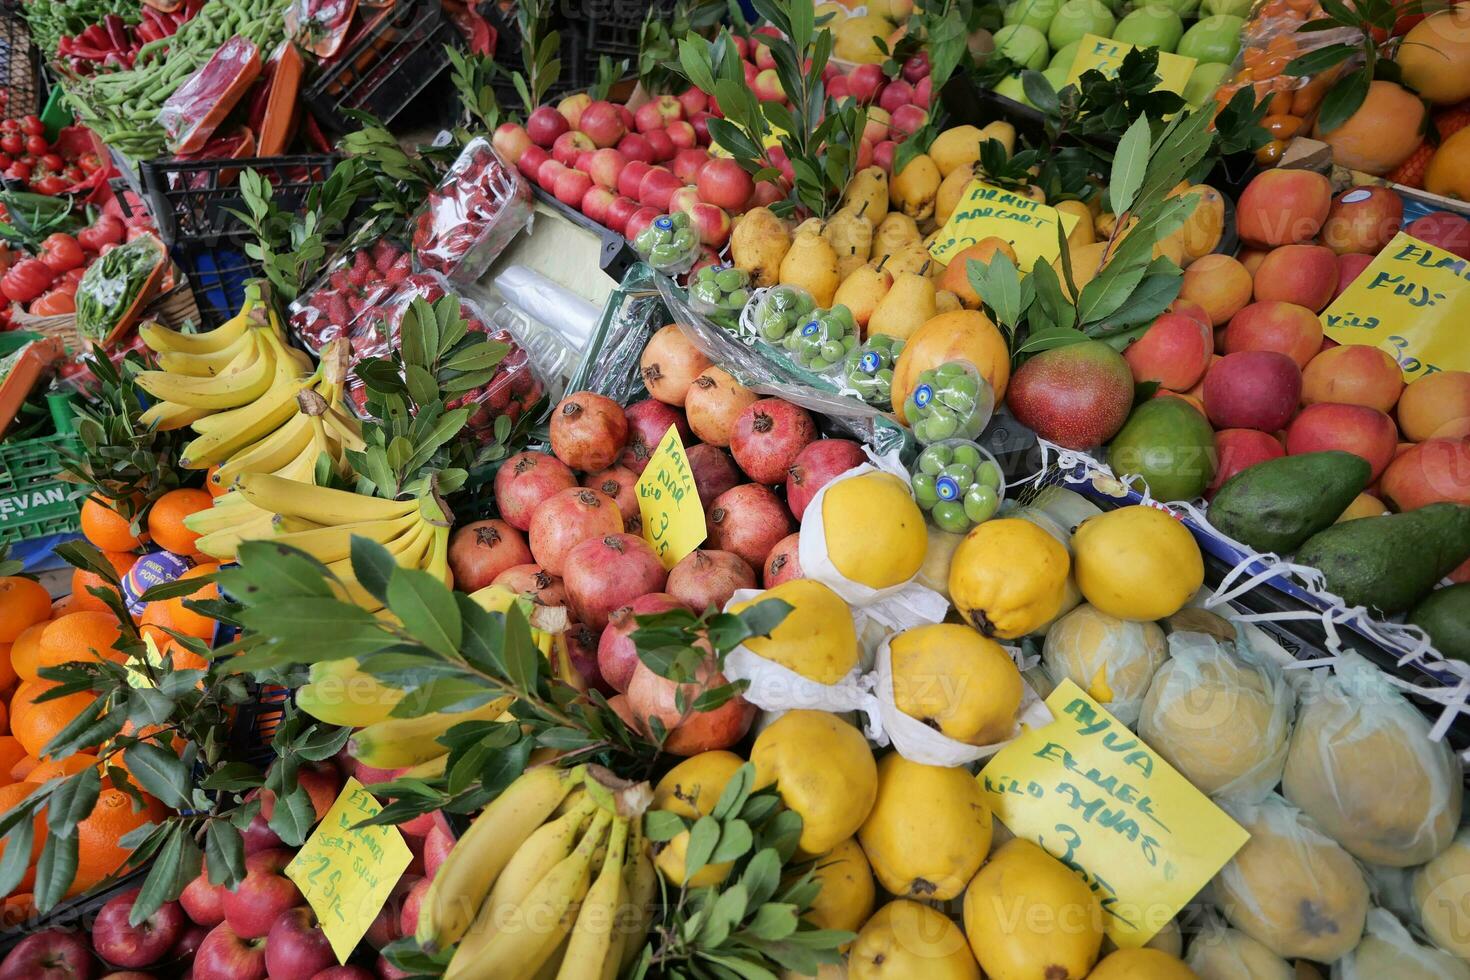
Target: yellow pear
{"type": "Point", "coordinates": [909, 257]}
{"type": "Point", "coordinates": [811, 264]}
{"type": "Point", "coordinates": [981, 689]}
{"type": "Point", "coordinates": [1082, 233]}
{"type": "Point", "coordinates": [1003, 132]}
{"type": "Point", "coordinates": [758, 245]}
{"type": "Point", "coordinates": [867, 194]}
{"type": "Point", "coordinates": [946, 302]}
{"type": "Point", "coordinates": [908, 941]}
{"type": "Point", "coordinates": [1087, 262]}
{"type": "Point", "coordinates": [896, 229]}
{"type": "Point", "coordinates": [851, 236]}
{"type": "Point", "coordinates": [951, 189]}
{"type": "Point", "coordinates": [1029, 915]}
{"type": "Point", "coordinates": [956, 147]}
{"type": "Point", "coordinates": [863, 290]}
{"type": "Point", "coordinates": [912, 190]}
{"type": "Point", "coordinates": [905, 308]}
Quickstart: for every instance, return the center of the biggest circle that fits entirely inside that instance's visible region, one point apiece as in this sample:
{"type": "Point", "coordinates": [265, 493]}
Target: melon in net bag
{"type": "Point", "coordinates": [1219, 952]}
{"type": "Point", "coordinates": [1387, 950]}
{"type": "Point", "coordinates": [1112, 659]}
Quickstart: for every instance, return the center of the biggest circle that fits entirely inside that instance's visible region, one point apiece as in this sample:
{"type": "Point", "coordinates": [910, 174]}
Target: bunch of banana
{"type": "Point", "coordinates": [322, 521]}
{"type": "Point", "coordinates": [543, 882]}
{"type": "Point", "coordinates": [548, 628]}
{"type": "Point", "coordinates": [398, 743]}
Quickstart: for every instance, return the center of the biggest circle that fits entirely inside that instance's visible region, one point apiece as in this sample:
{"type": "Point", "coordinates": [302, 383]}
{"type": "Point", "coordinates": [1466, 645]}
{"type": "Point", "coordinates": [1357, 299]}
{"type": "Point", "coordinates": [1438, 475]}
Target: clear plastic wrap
{"type": "Point", "coordinates": [349, 292]}
{"type": "Point", "coordinates": [949, 401]}
{"type": "Point", "coordinates": [958, 484]}
{"type": "Point", "coordinates": [1219, 952]}
{"type": "Point", "coordinates": [196, 108]}
{"type": "Point", "coordinates": [868, 369]}
{"type": "Point", "coordinates": [668, 243]}
{"type": "Point", "coordinates": [1113, 660]}
{"type": "Point", "coordinates": [1291, 886]}
{"type": "Point", "coordinates": [774, 313]}
{"type": "Point", "coordinates": [1388, 950]}
{"type": "Point", "coordinates": [1440, 892]}
{"type": "Point", "coordinates": [1220, 713]}
{"type": "Point", "coordinates": [720, 292]}
{"type": "Point", "coordinates": [1362, 764]}
{"type": "Point", "coordinates": [468, 220]}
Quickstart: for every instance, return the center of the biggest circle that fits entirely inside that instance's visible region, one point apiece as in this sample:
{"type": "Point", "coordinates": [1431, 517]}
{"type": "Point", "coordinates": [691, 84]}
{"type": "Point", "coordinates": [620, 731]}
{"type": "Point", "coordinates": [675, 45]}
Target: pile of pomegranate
{"type": "Point", "coordinates": [569, 531]}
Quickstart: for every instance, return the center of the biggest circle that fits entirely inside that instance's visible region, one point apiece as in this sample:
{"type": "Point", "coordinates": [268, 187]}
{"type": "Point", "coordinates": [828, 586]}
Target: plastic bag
{"type": "Point", "coordinates": [1440, 891]}
{"type": "Point", "coordinates": [774, 313]}
{"type": "Point", "coordinates": [1219, 952]}
{"type": "Point", "coordinates": [191, 114]}
{"type": "Point", "coordinates": [1291, 886]}
{"type": "Point", "coordinates": [349, 292]}
{"type": "Point", "coordinates": [720, 292]}
{"type": "Point", "coordinates": [821, 344]}
{"type": "Point", "coordinates": [958, 484]}
{"type": "Point", "coordinates": [468, 220]}
{"type": "Point", "coordinates": [1113, 660]}
{"type": "Point", "coordinates": [950, 401]}
{"type": "Point", "coordinates": [868, 370]}
{"type": "Point", "coordinates": [611, 361]}
{"type": "Point", "coordinates": [1362, 764]}
{"type": "Point", "coordinates": [1387, 950]}
{"type": "Point", "coordinates": [1220, 714]}
{"type": "Point", "coordinates": [668, 243]}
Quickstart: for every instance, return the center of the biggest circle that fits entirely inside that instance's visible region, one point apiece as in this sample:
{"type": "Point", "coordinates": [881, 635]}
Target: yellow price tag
{"type": "Point", "coordinates": [137, 677]}
{"type": "Point", "coordinates": [1412, 302]}
{"type": "Point", "coordinates": [346, 874]}
{"type": "Point", "coordinates": [1106, 55]}
{"type": "Point", "coordinates": [668, 500]}
{"type": "Point", "coordinates": [1097, 798]}
{"type": "Point", "coordinates": [985, 211]}
{"type": "Point", "coordinates": [773, 138]}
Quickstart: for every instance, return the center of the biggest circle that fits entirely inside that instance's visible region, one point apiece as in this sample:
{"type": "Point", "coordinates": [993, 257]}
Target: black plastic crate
{"type": "Point", "coordinates": [217, 276]}
{"type": "Point", "coordinates": [21, 90]}
{"type": "Point", "coordinates": [611, 27]}
{"type": "Point", "coordinates": [385, 69]}
{"type": "Point", "coordinates": [193, 200]}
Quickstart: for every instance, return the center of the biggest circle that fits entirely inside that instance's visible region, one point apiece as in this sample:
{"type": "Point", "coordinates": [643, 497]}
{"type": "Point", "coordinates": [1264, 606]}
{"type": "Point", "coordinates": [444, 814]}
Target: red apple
{"type": "Point", "coordinates": [883, 151]}
{"type": "Point", "coordinates": [916, 68]}
{"type": "Point", "coordinates": [266, 892]}
{"type": "Point", "coordinates": [225, 955]}
{"type": "Point", "coordinates": [682, 135]}
{"type": "Point", "coordinates": [602, 121]}
{"type": "Point", "coordinates": [437, 846]}
{"type": "Point", "coordinates": [54, 954]}
{"type": "Point", "coordinates": [583, 162]}
{"type": "Point", "coordinates": [626, 115]}
{"type": "Point", "coordinates": [120, 943]}
{"type": "Point", "coordinates": [865, 81]}
{"type": "Point", "coordinates": [571, 108]}
{"type": "Point", "coordinates": [385, 928]}
{"type": "Point", "coordinates": [204, 903]}
{"type": "Point", "coordinates": [631, 177]}
{"type": "Point", "coordinates": [750, 71]}
{"type": "Point", "coordinates": [768, 192]}
{"type": "Point", "coordinates": [907, 120]}
{"type": "Point", "coordinates": [568, 145]}
{"type": "Point", "coordinates": [700, 122]}
{"type": "Point", "coordinates": [605, 165]}
{"type": "Point", "coordinates": [1448, 231]}
{"type": "Point", "coordinates": [924, 92]}
{"type": "Point", "coordinates": [711, 223]}
{"type": "Point", "coordinates": [639, 220]}
{"type": "Point", "coordinates": [322, 783]}
{"type": "Point", "coordinates": [839, 88]}
{"type": "Point", "coordinates": [724, 183]}
{"type": "Point", "coordinates": [865, 153]}
{"type": "Point", "coordinates": [875, 129]}
{"type": "Point", "coordinates": [531, 160]}
{"type": "Point", "coordinates": [547, 175]}
{"type": "Point", "coordinates": [408, 919]}
{"type": "Point", "coordinates": [545, 125]}
{"type": "Point", "coordinates": [258, 836]}
{"type": "Point", "coordinates": [896, 93]}
{"type": "Point", "coordinates": [661, 142]}
{"type": "Point", "coordinates": [571, 187]}
{"type": "Point", "coordinates": [767, 86]}
{"type": "Point", "coordinates": [657, 186]}
{"type": "Point", "coordinates": [693, 100]}
{"type": "Point", "coordinates": [296, 948]}
{"type": "Point", "coordinates": [510, 141]}
{"type": "Point", "coordinates": [683, 199]}
{"type": "Point", "coordinates": [687, 163]}
{"type": "Point", "coordinates": [346, 973]}
{"type": "Point", "coordinates": [595, 203]}
{"type": "Point", "coordinates": [742, 46]}
{"type": "Point", "coordinates": [618, 213]}
{"type": "Point", "coordinates": [188, 942]}
{"type": "Point", "coordinates": [635, 147]}
{"type": "Point", "coordinates": [658, 112]}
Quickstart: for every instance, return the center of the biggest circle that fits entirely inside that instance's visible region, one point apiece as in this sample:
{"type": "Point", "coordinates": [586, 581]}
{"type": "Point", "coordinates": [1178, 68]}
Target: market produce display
{"type": "Point", "coordinates": [964, 539]}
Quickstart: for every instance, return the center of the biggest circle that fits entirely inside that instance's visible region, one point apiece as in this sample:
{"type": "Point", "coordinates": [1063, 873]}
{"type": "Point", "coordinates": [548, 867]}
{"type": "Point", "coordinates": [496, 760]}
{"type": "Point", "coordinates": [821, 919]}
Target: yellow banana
{"type": "Point", "coordinates": [203, 365]}
{"type": "Point", "coordinates": [341, 694]}
{"type": "Point", "coordinates": [161, 338]}
{"type": "Point", "coordinates": [399, 742]}
{"type": "Point", "coordinates": [409, 550]}
{"type": "Point", "coordinates": [534, 928]}
{"type": "Point", "coordinates": [347, 430]}
{"type": "Point", "coordinates": [642, 886]}
{"type": "Point", "coordinates": [166, 416]}
{"type": "Point", "coordinates": [229, 508]}
{"type": "Point", "coordinates": [432, 769]}
{"type": "Point", "coordinates": [267, 455]}
{"type": "Point", "coordinates": [225, 433]}
{"type": "Point", "coordinates": [323, 505]}
{"type": "Point", "coordinates": [242, 381]}
{"type": "Point", "coordinates": [464, 880]}
{"type": "Point", "coordinates": [596, 942]}
{"type": "Point", "coordinates": [302, 468]}
{"type": "Point", "coordinates": [224, 544]}
{"type": "Point", "coordinates": [334, 542]}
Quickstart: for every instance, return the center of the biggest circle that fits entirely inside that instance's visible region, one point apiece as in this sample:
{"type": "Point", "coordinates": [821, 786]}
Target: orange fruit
{"type": "Point", "coordinates": [63, 606]}
{"type": "Point", "coordinates": [11, 752]}
{"type": "Point", "coordinates": [69, 766]}
{"type": "Point", "coordinates": [81, 580]}
{"type": "Point", "coordinates": [81, 636]}
{"type": "Point", "coordinates": [215, 488]}
{"type": "Point", "coordinates": [1387, 128]}
{"type": "Point", "coordinates": [99, 854]}
{"type": "Point", "coordinates": [10, 797]}
{"type": "Point", "coordinates": [4, 721]}
{"type": "Point", "coordinates": [166, 519]}
{"type": "Point", "coordinates": [7, 672]}
{"type": "Point", "coordinates": [23, 604]}
{"type": "Point", "coordinates": [183, 658]}
{"type": "Point", "coordinates": [36, 724]}
{"type": "Point", "coordinates": [25, 652]}
{"type": "Point", "coordinates": [171, 614]}
{"type": "Point", "coordinates": [22, 769]}
{"type": "Point", "coordinates": [105, 528]}
{"type": "Point", "coordinates": [18, 909]}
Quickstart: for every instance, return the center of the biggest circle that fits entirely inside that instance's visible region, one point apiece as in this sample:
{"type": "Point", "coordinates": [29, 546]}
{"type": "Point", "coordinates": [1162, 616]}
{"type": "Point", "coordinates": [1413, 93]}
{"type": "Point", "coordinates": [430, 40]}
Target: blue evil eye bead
{"type": "Point", "coordinates": [870, 362]}
{"type": "Point", "coordinates": [812, 326]}
{"type": "Point", "coordinates": [664, 223]}
{"type": "Point", "coordinates": [947, 488]}
{"type": "Point", "coordinates": [923, 395]}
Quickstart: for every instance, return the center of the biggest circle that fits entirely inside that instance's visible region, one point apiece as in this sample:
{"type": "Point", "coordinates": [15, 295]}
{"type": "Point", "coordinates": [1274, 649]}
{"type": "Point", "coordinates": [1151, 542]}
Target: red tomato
{"type": "Point", "coordinates": [37, 145]}
{"type": "Point", "coordinates": [90, 162]}
{"type": "Point", "coordinates": [52, 303]}
{"type": "Point", "coordinates": [26, 280]}
{"type": "Point", "coordinates": [13, 143]}
{"type": "Point", "coordinates": [53, 161]}
{"type": "Point", "coordinates": [61, 253]}
{"type": "Point", "coordinates": [5, 161]}
{"type": "Point", "coordinates": [71, 279]}
{"type": "Point", "coordinates": [32, 125]}
{"type": "Point", "coordinates": [9, 125]}
{"type": "Point", "coordinates": [74, 175]}
{"type": "Point", "coordinates": [19, 170]}
{"type": "Point", "coordinates": [107, 229]}
{"type": "Point", "coordinates": [50, 185]}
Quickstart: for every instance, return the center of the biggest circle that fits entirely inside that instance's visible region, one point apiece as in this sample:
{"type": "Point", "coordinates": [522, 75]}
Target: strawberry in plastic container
{"type": "Point", "coordinates": [470, 218]}
{"type": "Point", "coordinates": [349, 292]}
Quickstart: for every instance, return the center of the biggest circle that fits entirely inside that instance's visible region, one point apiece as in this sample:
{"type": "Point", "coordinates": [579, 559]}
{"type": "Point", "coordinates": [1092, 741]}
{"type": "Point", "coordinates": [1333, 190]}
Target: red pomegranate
{"type": "Point", "coordinates": [768, 436]}
{"type": "Point", "coordinates": [524, 481]}
{"type": "Point", "coordinates": [705, 578]}
{"type": "Point", "coordinates": [713, 470]}
{"type": "Point", "coordinates": [480, 551]}
{"type": "Point", "coordinates": [616, 655]}
{"type": "Point", "coordinates": [652, 696]}
{"type": "Point", "coordinates": [783, 563]}
{"type": "Point", "coordinates": [619, 483]}
{"type": "Point", "coordinates": [648, 422]}
{"type": "Point", "coordinates": [588, 431]}
{"type": "Point", "coordinates": [532, 580]}
{"type": "Point", "coordinates": [670, 362]}
{"type": "Point", "coordinates": [581, 641]}
{"type": "Point", "coordinates": [566, 520]}
{"type": "Point", "coordinates": [748, 520]}
{"type": "Point", "coordinates": [816, 466]}
{"type": "Point", "coordinates": [606, 572]}
{"type": "Point", "coordinates": [715, 400]}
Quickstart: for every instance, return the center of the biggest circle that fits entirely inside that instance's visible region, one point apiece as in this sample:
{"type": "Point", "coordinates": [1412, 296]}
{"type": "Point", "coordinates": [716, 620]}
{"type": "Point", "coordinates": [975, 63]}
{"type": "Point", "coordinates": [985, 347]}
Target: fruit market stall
{"type": "Point", "coordinates": [917, 490]}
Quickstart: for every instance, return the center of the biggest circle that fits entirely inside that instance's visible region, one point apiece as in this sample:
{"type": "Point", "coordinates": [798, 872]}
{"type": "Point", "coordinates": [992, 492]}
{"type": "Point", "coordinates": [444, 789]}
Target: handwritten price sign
{"type": "Point", "coordinates": [668, 500]}
{"type": "Point", "coordinates": [346, 874]}
{"type": "Point", "coordinates": [1411, 301]}
{"type": "Point", "coordinates": [1101, 801]}
{"type": "Point", "coordinates": [1106, 55]}
{"type": "Point", "coordinates": [992, 212]}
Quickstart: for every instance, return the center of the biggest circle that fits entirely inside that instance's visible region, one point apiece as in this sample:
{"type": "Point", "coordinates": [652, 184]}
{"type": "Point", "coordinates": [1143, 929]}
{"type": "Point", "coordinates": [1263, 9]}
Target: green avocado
{"type": "Point", "coordinates": [1277, 504]}
{"type": "Point", "coordinates": [1389, 563]}
{"type": "Point", "coordinates": [1445, 616]}
{"type": "Point", "coordinates": [1169, 445]}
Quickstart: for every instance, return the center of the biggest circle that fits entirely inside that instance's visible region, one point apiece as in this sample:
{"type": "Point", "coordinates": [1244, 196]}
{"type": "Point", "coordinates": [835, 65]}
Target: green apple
{"type": "Point", "coordinates": [1057, 75]}
{"type": "Point", "coordinates": [1011, 88]}
{"type": "Point", "coordinates": [1079, 17]}
{"type": "Point", "coordinates": [1065, 56]}
{"type": "Point", "coordinates": [1023, 44]}
{"type": "Point", "coordinates": [1184, 8]}
{"type": "Point", "coordinates": [1153, 26]}
{"type": "Point", "coordinates": [1235, 8]}
{"type": "Point", "coordinates": [1203, 81]}
{"type": "Point", "coordinates": [1214, 39]}
{"type": "Point", "coordinates": [1032, 13]}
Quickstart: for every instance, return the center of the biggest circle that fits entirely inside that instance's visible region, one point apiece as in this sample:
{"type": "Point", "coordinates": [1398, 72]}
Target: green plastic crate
{"type": "Point", "coordinates": [34, 501]}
